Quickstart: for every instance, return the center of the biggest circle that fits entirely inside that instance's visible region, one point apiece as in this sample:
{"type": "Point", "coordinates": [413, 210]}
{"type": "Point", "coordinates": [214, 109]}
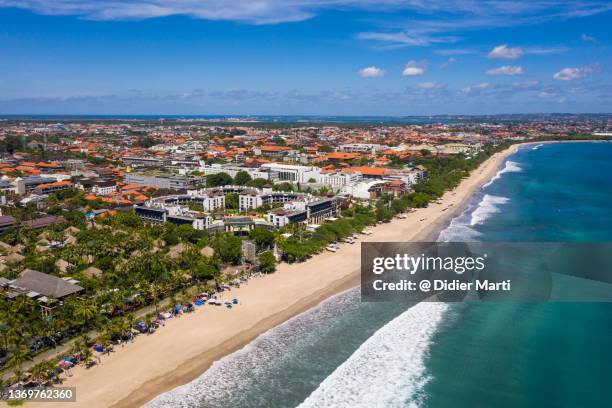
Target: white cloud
{"type": "Point", "coordinates": [505, 52]}
{"type": "Point", "coordinates": [448, 62]}
{"type": "Point", "coordinates": [430, 85]}
{"type": "Point", "coordinates": [506, 70]}
{"type": "Point", "coordinates": [569, 73]}
{"type": "Point", "coordinates": [458, 51]}
{"type": "Point", "coordinates": [255, 12]}
{"type": "Point", "coordinates": [526, 85]}
{"type": "Point", "coordinates": [475, 88]}
{"type": "Point", "coordinates": [414, 68]}
{"type": "Point", "coordinates": [457, 15]}
{"type": "Point", "coordinates": [547, 93]}
{"type": "Point", "coordinates": [545, 50]}
{"type": "Point", "coordinates": [587, 38]}
{"type": "Point", "coordinates": [395, 38]}
{"type": "Point", "coordinates": [371, 72]}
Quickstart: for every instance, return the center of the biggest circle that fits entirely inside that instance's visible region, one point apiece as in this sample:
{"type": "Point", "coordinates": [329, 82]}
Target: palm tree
{"type": "Point", "coordinates": [148, 320]}
{"type": "Point", "coordinates": [130, 321]}
{"type": "Point", "coordinates": [85, 312]}
{"type": "Point", "coordinates": [10, 335]}
{"type": "Point", "coordinates": [40, 370]}
{"type": "Point", "coordinates": [173, 301]}
{"type": "Point", "coordinates": [86, 354]}
{"type": "Point", "coordinates": [19, 356]}
{"type": "Point", "coordinates": [104, 340]}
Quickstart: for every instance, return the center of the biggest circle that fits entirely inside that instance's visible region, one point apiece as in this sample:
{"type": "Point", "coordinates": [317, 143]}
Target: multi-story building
{"type": "Point", "coordinates": [159, 181]}
{"type": "Point", "coordinates": [142, 161]}
{"type": "Point", "coordinates": [272, 151]}
{"type": "Point", "coordinates": [297, 207]}
{"type": "Point", "coordinates": [254, 198]}
{"type": "Point", "coordinates": [293, 173]}
{"type": "Point", "coordinates": [339, 179]}
{"type": "Point", "coordinates": [49, 188]}
{"type": "Point", "coordinates": [232, 170]}
{"type": "Point", "coordinates": [27, 185]}
{"type": "Point", "coordinates": [104, 187]}
{"type": "Point", "coordinates": [159, 213]}
{"type": "Point", "coordinates": [309, 211]}
{"type": "Point", "coordinates": [367, 148]}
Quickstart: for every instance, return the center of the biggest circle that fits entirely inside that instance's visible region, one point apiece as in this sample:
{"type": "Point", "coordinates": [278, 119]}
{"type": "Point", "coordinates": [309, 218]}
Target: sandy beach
{"type": "Point", "coordinates": [186, 346]}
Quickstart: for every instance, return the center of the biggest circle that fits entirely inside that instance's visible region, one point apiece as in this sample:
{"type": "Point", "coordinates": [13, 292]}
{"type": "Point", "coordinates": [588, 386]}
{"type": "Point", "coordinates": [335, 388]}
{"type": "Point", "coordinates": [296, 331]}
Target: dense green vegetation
{"type": "Point", "coordinates": [242, 178]}
{"type": "Point", "coordinates": [219, 179]}
{"type": "Point", "coordinates": [122, 263]}
{"type": "Point", "coordinates": [445, 173]}
{"type": "Point", "coordinates": [267, 262]}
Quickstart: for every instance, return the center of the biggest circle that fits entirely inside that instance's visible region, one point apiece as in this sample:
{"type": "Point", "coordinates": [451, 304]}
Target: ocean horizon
{"type": "Point", "coordinates": [345, 353]}
{"type": "Point", "coordinates": [305, 119]}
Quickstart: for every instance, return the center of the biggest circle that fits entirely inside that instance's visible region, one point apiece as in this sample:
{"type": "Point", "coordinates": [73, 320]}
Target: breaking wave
{"type": "Point", "coordinates": [228, 377]}
{"type": "Point", "coordinates": [510, 167]}
{"type": "Point", "coordinates": [388, 369]}
{"type": "Point", "coordinates": [488, 206]}
{"type": "Point", "coordinates": [459, 230]}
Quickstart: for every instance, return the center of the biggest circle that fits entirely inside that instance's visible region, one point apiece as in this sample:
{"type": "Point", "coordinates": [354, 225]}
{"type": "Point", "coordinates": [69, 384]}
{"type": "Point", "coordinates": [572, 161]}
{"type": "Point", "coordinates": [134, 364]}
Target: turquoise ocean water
{"type": "Point", "coordinates": [344, 353]}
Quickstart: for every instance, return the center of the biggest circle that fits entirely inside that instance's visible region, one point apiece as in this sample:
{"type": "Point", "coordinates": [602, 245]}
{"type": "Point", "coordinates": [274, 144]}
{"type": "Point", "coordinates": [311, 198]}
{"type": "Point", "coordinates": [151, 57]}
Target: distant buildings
{"type": "Point", "coordinates": [162, 181]}
{"type": "Point", "coordinates": [232, 170]}
{"type": "Point", "coordinates": [56, 186]}
{"type": "Point", "coordinates": [272, 151]}
{"type": "Point", "coordinates": [292, 173]}
{"type": "Point", "coordinates": [358, 162]}
{"type": "Point", "coordinates": [27, 185]}
{"type": "Point", "coordinates": [104, 187]}
{"type": "Point", "coordinates": [142, 161]}
{"type": "Point", "coordinates": [367, 148]}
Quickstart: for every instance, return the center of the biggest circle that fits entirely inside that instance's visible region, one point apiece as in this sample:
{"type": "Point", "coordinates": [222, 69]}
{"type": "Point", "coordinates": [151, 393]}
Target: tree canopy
{"type": "Point", "coordinates": [219, 179]}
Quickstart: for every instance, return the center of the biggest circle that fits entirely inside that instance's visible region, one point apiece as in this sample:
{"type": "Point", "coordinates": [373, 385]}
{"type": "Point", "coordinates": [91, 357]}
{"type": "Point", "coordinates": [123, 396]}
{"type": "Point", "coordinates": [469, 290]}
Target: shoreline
{"type": "Point", "coordinates": [190, 344]}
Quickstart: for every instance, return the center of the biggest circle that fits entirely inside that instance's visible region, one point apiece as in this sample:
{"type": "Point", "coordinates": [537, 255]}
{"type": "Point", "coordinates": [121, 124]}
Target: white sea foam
{"type": "Point", "coordinates": [229, 375]}
{"type": "Point", "coordinates": [459, 230]}
{"type": "Point", "coordinates": [536, 147]}
{"type": "Point", "coordinates": [488, 206]}
{"type": "Point", "coordinates": [388, 369]}
{"type": "Point", "coordinates": [510, 167]}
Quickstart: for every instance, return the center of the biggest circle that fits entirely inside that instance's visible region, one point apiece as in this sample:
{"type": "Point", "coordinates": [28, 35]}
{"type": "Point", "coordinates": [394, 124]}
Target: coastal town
{"type": "Point", "coordinates": [109, 228]}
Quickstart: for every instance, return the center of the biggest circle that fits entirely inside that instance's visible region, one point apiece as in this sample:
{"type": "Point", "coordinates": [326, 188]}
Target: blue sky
{"type": "Point", "coordinates": [339, 57]}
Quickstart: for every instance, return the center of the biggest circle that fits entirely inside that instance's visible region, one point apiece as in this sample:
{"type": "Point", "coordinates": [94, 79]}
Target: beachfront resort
{"type": "Point", "coordinates": [109, 230]}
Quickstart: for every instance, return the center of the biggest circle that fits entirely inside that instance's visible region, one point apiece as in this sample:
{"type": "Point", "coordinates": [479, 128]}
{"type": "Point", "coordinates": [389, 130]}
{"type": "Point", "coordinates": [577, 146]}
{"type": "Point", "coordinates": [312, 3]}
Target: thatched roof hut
{"type": "Point", "coordinates": [207, 251]}
{"type": "Point", "coordinates": [92, 271]}
{"type": "Point", "coordinates": [14, 258]}
{"type": "Point", "coordinates": [176, 251]}
{"type": "Point", "coordinates": [72, 230]}
{"type": "Point", "coordinates": [70, 240]}
{"type": "Point", "coordinates": [63, 265]}
{"type": "Point", "coordinates": [17, 248]}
